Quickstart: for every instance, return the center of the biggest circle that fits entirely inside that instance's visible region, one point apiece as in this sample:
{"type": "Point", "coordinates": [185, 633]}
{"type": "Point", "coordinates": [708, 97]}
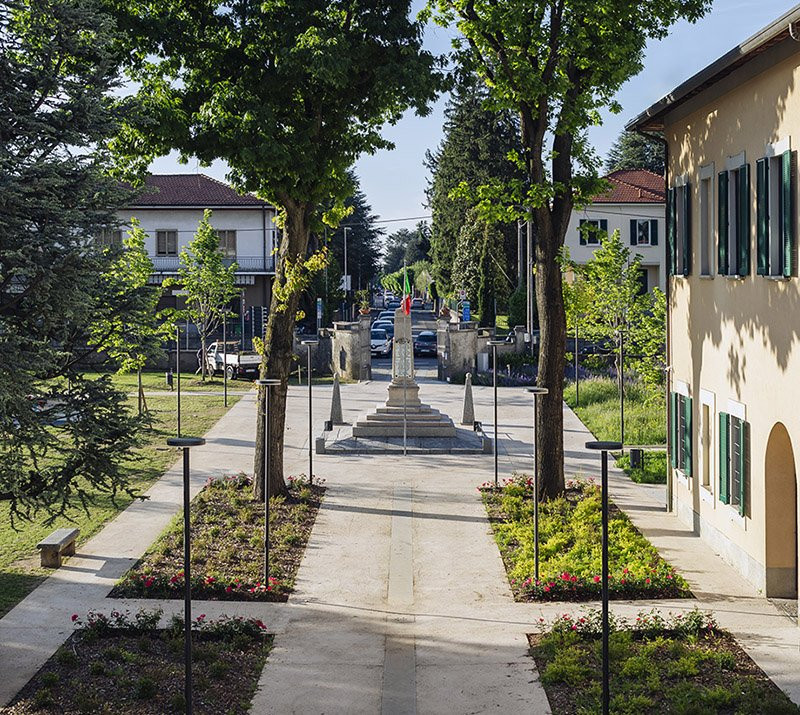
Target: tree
{"type": "Point", "coordinates": [289, 94]}
{"type": "Point", "coordinates": [636, 151]}
{"type": "Point", "coordinates": [134, 336]}
{"type": "Point", "coordinates": [557, 63]}
{"type": "Point", "coordinates": [208, 284]}
{"type": "Point", "coordinates": [419, 245]}
{"type": "Point", "coordinates": [475, 148]}
{"type": "Point", "coordinates": [394, 254]}
{"type": "Point", "coordinates": [62, 436]}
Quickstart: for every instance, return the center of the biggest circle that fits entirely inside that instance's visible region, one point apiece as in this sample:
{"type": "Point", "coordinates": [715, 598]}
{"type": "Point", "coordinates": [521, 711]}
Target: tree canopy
{"type": "Point", "coordinates": [62, 436]}
{"type": "Point", "coordinates": [406, 246]}
{"type": "Point", "coordinates": [635, 151]}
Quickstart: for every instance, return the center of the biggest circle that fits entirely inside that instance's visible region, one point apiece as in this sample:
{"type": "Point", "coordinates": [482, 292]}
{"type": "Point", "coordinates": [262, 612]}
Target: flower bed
{"type": "Point", "coordinates": [676, 664]}
{"type": "Point", "coordinates": [227, 545]}
{"type": "Point", "coordinates": [569, 543]}
{"type": "Point", "coordinates": [121, 663]}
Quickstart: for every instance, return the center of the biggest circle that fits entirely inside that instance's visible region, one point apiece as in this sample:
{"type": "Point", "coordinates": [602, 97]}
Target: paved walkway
{"type": "Point", "coordinates": [402, 603]}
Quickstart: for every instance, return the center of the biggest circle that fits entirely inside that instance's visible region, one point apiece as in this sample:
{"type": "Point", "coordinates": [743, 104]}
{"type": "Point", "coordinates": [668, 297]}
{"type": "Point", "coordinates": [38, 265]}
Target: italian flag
{"type": "Point", "coordinates": [406, 293]}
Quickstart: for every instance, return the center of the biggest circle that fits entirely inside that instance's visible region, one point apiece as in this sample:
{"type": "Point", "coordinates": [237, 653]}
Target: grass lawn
{"type": "Point", "coordinates": [569, 541]}
{"type": "Point", "coordinates": [653, 470]}
{"type": "Point", "coordinates": [155, 381]}
{"type": "Point", "coordinates": [20, 572]}
{"type": "Point", "coordinates": [135, 668]}
{"type": "Point", "coordinates": [228, 546]}
{"type": "Point", "coordinates": [645, 422]}
{"type": "Point", "coordinates": [678, 664]}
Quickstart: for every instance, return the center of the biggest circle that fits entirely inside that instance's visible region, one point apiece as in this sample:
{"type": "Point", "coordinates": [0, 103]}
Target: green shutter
{"type": "Point", "coordinates": [687, 229]}
{"type": "Point", "coordinates": [744, 442]}
{"type": "Point", "coordinates": [673, 425]}
{"type": "Point", "coordinates": [653, 232]}
{"type": "Point", "coordinates": [787, 214]}
{"type": "Point", "coordinates": [672, 258]}
{"type": "Point", "coordinates": [743, 219]}
{"type": "Point", "coordinates": [687, 436]}
{"type": "Point", "coordinates": [762, 217]}
{"type": "Point", "coordinates": [724, 459]}
{"type": "Point", "coordinates": [722, 223]}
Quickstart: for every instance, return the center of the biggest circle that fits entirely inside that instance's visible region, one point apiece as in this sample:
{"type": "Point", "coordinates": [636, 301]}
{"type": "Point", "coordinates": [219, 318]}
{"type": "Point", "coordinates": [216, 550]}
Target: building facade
{"type": "Point", "coordinates": [635, 207]}
{"type": "Point", "coordinates": [733, 341]}
{"type": "Point", "coordinates": [169, 209]}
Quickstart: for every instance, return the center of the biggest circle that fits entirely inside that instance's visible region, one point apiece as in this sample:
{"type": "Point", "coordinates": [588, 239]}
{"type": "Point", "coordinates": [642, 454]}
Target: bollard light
{"type": "Point", "coordinates": [309, 344]}
{"type": "Point", "coordinates": [185, 443]}
{"type": "Point", "coordinates": [536, 392]}
{"type": "Point", "coordinates": [495, 344]}
{"type": "Point", "coordinates": [604, 448]}
{"type": "Point", "coordinates": [266, 384]}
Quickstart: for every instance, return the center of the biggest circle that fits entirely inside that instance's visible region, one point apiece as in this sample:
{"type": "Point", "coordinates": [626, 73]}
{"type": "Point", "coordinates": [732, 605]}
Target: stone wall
{"type": "Point", "coordinates": [351, 358]}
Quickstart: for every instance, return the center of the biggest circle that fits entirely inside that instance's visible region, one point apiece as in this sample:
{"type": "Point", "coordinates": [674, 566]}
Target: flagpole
{"type": "Point", "coordinates": [408, 363]}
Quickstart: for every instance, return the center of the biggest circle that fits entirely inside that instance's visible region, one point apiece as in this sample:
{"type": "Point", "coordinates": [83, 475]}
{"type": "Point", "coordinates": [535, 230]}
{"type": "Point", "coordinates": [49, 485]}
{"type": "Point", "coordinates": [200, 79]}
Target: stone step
{"type": "Point", "coordinates": [416, 416]}
{"type": "Point", "coordinates": [440, 429]}
{"type": "Point", "coordinates": [417, 409]}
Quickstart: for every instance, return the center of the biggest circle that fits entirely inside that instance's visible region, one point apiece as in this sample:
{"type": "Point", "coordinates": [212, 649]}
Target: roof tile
{"type": "Point", "coordinates": [191, 190]}
{"type": "Point", "coordinates": [633, 186]}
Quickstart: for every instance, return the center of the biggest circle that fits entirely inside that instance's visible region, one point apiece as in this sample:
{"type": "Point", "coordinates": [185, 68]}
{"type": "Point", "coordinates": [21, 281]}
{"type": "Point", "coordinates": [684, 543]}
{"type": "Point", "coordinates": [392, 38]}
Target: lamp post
{"type": "Point", "coordinates": [577, 378]}
{"type": "Point", "coordinates": [536, 392]}
{"type": "Point", "coordinates": [178, 371]}
{"type": "Point", "coordinates": [185, 443]}
{"type": "Point", "coordinates": [494, 344]}
{"type": "Point", "coordinates": [621, 377]}
{"type": "Point", "coordinates": [266, 384]}
{"type": "Point", "coordinates": [309, 344]}
{"type": "Point", "coordinates": [604, 448]}
{"type": "Point", "coordinates": [225, 358]}
{"type": "Point", "coordinates": [346, 282]}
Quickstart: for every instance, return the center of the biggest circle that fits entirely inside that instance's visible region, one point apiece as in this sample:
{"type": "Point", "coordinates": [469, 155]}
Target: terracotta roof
{"type": "Point", "coordinates": [633, 186]}
{"type": "Point", "coordinates": [191, 190]}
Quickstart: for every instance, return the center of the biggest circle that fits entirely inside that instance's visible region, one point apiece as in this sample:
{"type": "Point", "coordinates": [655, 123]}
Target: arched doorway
{"type": "Point", "coordinates": [780, 486]}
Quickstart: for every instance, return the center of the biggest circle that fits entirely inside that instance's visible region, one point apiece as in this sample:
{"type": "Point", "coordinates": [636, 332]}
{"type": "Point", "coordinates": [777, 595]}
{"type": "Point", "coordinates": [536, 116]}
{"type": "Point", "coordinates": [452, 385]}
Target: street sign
{"type": "Point", "coordinates": [462, 294]}
{"type": "Point", "coordinates": [319, 313]}
{"type": "Point", "coordinates": [345, 283]}
{"type": "Point", "coordinates": [465, 316]}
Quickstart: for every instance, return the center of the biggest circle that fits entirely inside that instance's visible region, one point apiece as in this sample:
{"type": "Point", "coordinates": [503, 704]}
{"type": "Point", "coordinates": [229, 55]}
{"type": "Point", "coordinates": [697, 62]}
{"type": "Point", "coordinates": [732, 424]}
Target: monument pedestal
{"type": "Point", "coordinates": [404, 413]}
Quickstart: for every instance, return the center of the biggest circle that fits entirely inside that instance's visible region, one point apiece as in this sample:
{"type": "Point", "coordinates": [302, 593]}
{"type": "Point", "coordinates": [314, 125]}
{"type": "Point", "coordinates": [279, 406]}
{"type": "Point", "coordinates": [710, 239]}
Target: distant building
{"type": "Point", "coordinates": [635, 207]}
{"type": "Point", "coordinates": [734, 302]}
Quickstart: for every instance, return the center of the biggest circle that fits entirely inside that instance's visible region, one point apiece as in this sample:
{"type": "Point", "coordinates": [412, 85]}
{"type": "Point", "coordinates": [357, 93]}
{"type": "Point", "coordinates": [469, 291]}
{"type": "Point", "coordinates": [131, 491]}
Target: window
{"type": "Point", "coordinates": [590, 230]}
{"type": "Point", "coordinates": [734, 466]}
{"type": "Point", "coordinates": [681, 432]}
{"type": "Point", "coordinates": [166, 243]}
{"type": "Point", "coordinates": [679, 229]}
{"type": "Point", "coordinates": [109, 237]}
{"type": "Point", "coordinates": [774, 215]}
{"type": "Point", "coordinates": [733, 233]}
{"type": "Point", "coordinates": [644, 232]}
{"type": "Point", "coordinates": [706, 199]}
{"type": "Point", "coordinates": [227, 243]}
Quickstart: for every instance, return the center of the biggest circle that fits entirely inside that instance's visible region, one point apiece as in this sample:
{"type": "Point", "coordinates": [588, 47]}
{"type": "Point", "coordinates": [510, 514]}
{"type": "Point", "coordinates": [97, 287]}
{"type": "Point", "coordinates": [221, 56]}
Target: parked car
{"type": "Point", "coordinates": [386, 315]}
{"type": "Point", "coordinates": [425, 343]}
{"type": "Point", "coordinates": [387, 298]}
{"type": "Point", "coordinates": [393, 304]}
{"type": "Point", "coordinates": [233, 360]}
{"type": "Point", "coordinates": [386, 325]}
{"type": "Point", "coordinates": [417, 303]}
{"type": "Point", "coordinates": [379, 342]}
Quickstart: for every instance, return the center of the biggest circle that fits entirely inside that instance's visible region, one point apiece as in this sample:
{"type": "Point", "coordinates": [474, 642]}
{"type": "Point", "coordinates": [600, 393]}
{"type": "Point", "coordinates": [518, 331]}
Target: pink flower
{"type": "Point", "coordinates": [624, 570]}
{"type": "Point", "coordinates": [647, 580]}
{"type": "Point", "coordinates": [597, 579]}
{"type": "Point", "coordinates": [574, 627]}
{"type": "Point", "coordinates": [228, 589]}
{"type": "Point", "coordinates": [149, 582]}
{"type": "Point", "coordinates": [546, 589]}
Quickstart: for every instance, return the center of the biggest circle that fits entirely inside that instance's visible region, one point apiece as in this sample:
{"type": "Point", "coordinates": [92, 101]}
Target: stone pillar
{"type": "Point", "coordinates": [463, 349]}
{"type": "Point", "coordinates": [442, 347]}
{"type": "Point", "coordinates": [365, 349]}
{"type": "Point", "coordinates": [346, 351]}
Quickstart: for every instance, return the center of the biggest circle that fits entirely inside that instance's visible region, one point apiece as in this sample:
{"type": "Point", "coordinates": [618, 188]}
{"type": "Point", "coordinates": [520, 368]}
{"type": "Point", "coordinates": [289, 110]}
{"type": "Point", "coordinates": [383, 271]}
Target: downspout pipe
{"type": "Point", "coordinates": [667, 286]}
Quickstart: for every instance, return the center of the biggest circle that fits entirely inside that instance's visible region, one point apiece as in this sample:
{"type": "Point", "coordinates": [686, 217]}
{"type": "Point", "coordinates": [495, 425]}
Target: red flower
{"type": "Point", "coordinates": [74, 617]}
{"type": "Point", "coordinates": [149, 582]}
{"type": "Point", "coordinates": [228, 589]}
{"type": "Point", "coordinates": [597, 579]}
{"type": "Point", "coordinates": [546, 589]}
{"type": "Point", "coordinates": [647, 580]}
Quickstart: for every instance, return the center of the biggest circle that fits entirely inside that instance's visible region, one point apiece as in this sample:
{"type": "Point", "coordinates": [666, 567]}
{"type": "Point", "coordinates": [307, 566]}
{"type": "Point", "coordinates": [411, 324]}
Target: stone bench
{"type": "Point", "coordinates": [60, 543]}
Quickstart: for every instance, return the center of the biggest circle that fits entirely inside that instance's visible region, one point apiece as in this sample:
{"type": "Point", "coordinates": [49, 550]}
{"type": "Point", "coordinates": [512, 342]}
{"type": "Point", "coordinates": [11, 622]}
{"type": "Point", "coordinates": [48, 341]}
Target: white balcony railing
{"type": "Point", "coordinates": [244, 264]}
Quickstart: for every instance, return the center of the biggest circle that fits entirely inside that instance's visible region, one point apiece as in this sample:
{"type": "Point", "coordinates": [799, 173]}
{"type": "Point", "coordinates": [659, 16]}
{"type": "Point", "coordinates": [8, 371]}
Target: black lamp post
{"type": "Point", "coordinates": [309, 344]}
{"type": "Point", "coordinates": [266, 384]}
{"type": "Point", "coordinates": [494, 344]}
{"type": "Point", "coordinates": [536, 392]}
{"type": "Point", "coordinates": [185, 443]}
{"type": "Point", "coordinates": [604, 448]}
{"type": "Point", "coordinates": [178, 371]}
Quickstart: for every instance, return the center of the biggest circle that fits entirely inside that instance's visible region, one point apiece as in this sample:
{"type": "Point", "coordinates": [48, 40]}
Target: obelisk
{"type": "Point", "coordinates": [403, 389]}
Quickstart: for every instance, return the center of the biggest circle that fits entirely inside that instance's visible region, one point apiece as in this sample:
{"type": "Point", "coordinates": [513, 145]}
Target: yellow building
{"type": "Point", "coordinates": [733, 341]}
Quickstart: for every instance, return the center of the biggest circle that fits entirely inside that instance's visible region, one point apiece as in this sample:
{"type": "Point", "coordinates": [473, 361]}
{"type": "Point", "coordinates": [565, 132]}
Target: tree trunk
{"type": "Point", "coordinates": [203, 358]}
{"type": "Point", "coordinates": [278, 344]}
{"type": "Point", "coordinates": [552, 353]}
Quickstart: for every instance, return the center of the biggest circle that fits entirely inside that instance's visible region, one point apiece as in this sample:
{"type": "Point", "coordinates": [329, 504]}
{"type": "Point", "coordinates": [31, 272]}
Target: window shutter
{"type": "Point", "coordinates": [744, 478]}
{"type": "Point", "coordinates": [673, 422]}
{"type": "Point", "coordinates": [762, 209]}
{"type": "Point", "coordinates": [634, 232]}
{"type": "Point", "coordinates": [724, 459]}
{"type": "Point", "coordinates": [581, 233]}
{"type": "Point", "coordinates": [787, 203]}
{"type": "Point", "coordinates": [687, 436]}
{"type": "Point", "coordinates": [743, 225]}
{"type": "Point", "coordinates": [722, 223]}
{"type": "Point", "coordinates": [687, 229]}
{"type": "Point", "coordinates": [653, 232]}
{"type": "Point", "coordinates": [672, 256]}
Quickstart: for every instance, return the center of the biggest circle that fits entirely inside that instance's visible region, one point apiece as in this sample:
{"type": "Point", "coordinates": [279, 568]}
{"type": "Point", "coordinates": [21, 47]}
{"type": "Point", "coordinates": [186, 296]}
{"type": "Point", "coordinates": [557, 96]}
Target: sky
{"type": "Point", "coordinates": [394, 181]}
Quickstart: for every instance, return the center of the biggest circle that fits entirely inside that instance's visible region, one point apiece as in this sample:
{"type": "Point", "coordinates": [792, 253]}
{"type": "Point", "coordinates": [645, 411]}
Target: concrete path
{"type": "Point", "coordinates": [402, 604]}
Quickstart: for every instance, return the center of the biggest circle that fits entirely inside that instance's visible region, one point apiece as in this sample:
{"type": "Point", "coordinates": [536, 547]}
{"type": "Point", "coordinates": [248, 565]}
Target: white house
{"type": "Point", "coordinates": [635, 207]}
{"type": "Point", "coordinates": [169, 210]}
